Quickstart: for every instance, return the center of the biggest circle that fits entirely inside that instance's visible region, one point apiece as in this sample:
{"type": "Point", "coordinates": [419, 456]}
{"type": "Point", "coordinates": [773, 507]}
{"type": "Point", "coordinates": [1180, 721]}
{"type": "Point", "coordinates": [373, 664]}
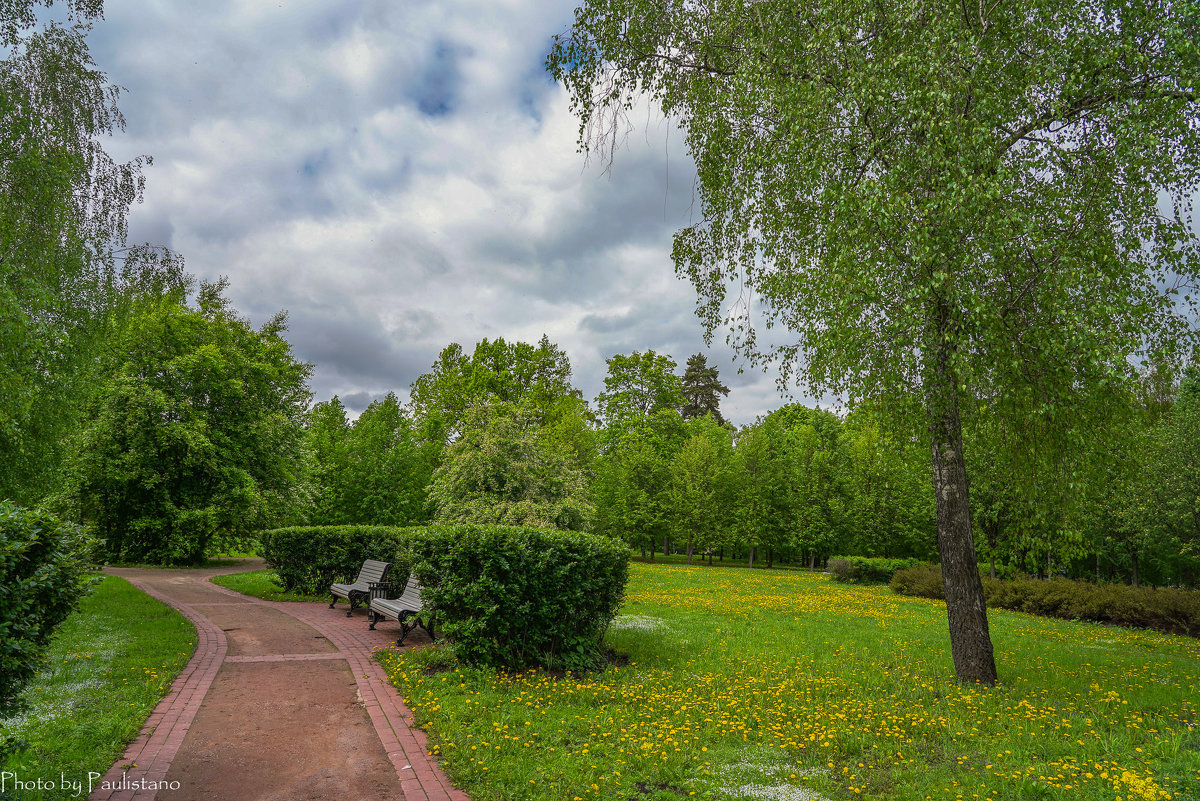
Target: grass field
{"type": "Point", "coordinates": [262, 584]}
{"type": "Point", "coordinates": [782, 685]}
{"type": "Point", "coordinates": [109, 665]}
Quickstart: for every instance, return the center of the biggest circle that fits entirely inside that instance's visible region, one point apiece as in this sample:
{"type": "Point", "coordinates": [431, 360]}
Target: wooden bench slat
{"type": "Point", "coordinates": [372, 572]}
{"type": "Point", "coordinates": [404, 610]}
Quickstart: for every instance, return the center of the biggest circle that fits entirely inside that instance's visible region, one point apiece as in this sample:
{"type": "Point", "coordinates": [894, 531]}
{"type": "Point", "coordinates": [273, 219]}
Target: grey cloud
{"type": "Point", "coordinates": [399, 176]}
{"type": "Point", "coordinates": [357, 401]}
{"type": "Point", "coordinates": [578, 257]}
{"type": "Point", "coordinates": [156, 229]}
{"type": "Point", "coordinates": [353, 348]}
{"type": "Point", "coordinates": [436, 88]}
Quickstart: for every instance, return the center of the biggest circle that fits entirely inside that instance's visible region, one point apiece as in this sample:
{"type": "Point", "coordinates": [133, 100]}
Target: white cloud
{"type": "Point", "coordinates": [400, 176]}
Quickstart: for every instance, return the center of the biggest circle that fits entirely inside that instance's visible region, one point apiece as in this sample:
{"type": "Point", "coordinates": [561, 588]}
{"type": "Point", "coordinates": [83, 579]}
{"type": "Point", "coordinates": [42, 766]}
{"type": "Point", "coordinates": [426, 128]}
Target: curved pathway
{"type": "Point", "coordinates": [280, 702]}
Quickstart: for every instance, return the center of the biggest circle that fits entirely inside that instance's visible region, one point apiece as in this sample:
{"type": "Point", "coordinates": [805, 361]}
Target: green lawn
{"type": "Point", "coordinates": [263, 584]}
{"type": "Point", "coordinates": [110, 664]}
{"type": "Point", "coordinates": [782, 685]}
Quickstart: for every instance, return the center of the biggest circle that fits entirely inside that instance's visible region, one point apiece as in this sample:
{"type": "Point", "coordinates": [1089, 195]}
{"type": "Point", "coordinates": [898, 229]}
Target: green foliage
{"type": "Point", "coordinates": [701, 386]}
{"type": "Point", "coordinates": [504, 469]}
{"type": "Point", "coordinates": [1173, 474]}
{"type": "Point", "coordinates": [521, 597]}
{"type": "Point", "coordinates": [43, 561]}
{"type": "Point", "coordinates": [371, 472]}
{"type": "Point", "coordinates": [1175, 611]}
{"type": "Point", "coordinates": [307, 559]}
{"type": "Point", "coordinates": [632, 480]}
{"type": "Point", "coordinates": [866, 570]}
{"type": "Point", "coordinates": [794, 473]}
{"type": "Point", "coordinates": [197, 439]}
{"type": "Point", "coordinates": [889, 504]}
{"type": "Point", "coordinates": [328, 434]}
{"type": "Point", "coordinates": [65, 278]}
{"type": "Point", "coordinates": [930, 180]}
{"type": "Point", "coordinates": [923, 581]}
{"type": "Point", "coordinates": [702, 488]}
{"type": "Point", "coordinates": [637, 387]}
{"type": "Point", "coordinates": [537, 378]}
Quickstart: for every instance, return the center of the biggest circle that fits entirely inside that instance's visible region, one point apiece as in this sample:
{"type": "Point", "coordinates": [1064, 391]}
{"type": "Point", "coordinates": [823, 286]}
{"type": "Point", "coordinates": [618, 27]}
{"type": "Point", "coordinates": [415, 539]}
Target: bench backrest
{"type": "Point", "coordinates": [372, 571]}
{"type": "Point", "coordinates": [411, 597]}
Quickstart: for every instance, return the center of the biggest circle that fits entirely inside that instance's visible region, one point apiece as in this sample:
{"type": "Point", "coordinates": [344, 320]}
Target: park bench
{"type": "Point", "coordinates": [371, 574]}
{"type": "Point", "coordinates": [405, 610]}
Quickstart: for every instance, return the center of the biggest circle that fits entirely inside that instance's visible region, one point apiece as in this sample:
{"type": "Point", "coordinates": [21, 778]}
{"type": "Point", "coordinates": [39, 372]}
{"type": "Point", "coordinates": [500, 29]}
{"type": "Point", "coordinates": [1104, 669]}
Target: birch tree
{"type": "Point", "coordinates": [924, 203]}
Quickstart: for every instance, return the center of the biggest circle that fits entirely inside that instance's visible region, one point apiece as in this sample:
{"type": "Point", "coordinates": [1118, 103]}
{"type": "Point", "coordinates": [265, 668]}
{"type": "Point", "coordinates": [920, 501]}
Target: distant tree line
{"type": "Point", "coordinates": [195, 430]}
{"type": "Point", "coordinates": [500, 434]}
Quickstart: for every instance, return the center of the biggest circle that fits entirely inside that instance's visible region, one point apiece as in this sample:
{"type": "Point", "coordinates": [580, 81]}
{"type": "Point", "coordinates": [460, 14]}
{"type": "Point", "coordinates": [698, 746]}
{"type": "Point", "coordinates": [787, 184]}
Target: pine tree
{"type": "Point", "coordinates": [700, 388]}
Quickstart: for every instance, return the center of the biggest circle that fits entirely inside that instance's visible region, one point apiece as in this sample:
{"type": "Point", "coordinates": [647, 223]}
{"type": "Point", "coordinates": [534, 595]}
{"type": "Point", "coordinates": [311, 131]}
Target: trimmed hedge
{"type": "Point", "coordinates": [43, 567]}
{"type": "Point", "coordinates": [510, 597]}
{"type": "Point", "coordinates": [308, 559]}
{"type": "Point", "coordinates": [1174, 611]}
{"type": "Point", "coordinates": [866, 570]}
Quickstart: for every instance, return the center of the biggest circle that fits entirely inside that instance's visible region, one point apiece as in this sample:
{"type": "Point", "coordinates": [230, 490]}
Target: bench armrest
{"type": "Point", "coordinates": [381, 589]}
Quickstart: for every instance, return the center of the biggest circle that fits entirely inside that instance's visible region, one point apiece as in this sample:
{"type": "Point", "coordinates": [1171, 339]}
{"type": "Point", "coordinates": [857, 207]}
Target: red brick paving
{"type": "Point", "coordinates": [147, 758]}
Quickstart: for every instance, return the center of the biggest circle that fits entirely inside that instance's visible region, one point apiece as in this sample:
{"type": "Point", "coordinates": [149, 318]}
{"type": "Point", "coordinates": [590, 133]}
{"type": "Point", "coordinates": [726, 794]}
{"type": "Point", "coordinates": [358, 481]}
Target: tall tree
{"type": "Point", "coordinates": [701, 487]}
{"type": "Point", "coordinates": [940, 202]}
{"type": "Point", "coordinates": [793, 477]}
{"type": "Point", "coordinates": [371, 472]}
{"type": "Point", "coordinates": [63, 269]}
{"type": "Point", "coordinates": [197, 436]}
{"type": "Point", "coordinates": [538, 378]}
{"type": "Point", "coordinates": [637, 387]}
{"type": "Point", "coordinates": [504, 469]}
{"type": "Point", "coordinates": [1171, 481]}
{"type": "Point", "coordinates": [701, 387]}
{"type": "Point", "coordinates": [632, 479]}
{"type": "Point", "coordinates": [630, 491]}
{"type": "Point", "coordinates": [889, 506]}
{"type": "Point", "coordinates": [328, 430]}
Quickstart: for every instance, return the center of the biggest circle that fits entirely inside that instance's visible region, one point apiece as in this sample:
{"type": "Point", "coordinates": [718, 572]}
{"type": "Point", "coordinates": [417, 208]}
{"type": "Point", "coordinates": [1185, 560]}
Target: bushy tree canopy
{"type": "Point", "coordinates": [196, 436]}
{"type": "Point", "coordinates": [536, 377]}
{"type": "Point", "coordinates": [637, 387]}
{"type": "Point", "coordinates": [371, 472]}
{"type": "Point", "coordinates": [505, 469]}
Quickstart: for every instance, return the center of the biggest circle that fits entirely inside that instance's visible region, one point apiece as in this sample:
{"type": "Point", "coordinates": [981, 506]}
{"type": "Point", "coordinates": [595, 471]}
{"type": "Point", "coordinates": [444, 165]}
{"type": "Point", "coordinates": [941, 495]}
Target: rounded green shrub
{"type": "Point", "coordinates": [510, 597]}
{"type": "Point", "coordinates": [307, 559]}
{"type": "Point", "coordinates": [44, 562]}
{"type": "Point", "coordinates": [923, 580]}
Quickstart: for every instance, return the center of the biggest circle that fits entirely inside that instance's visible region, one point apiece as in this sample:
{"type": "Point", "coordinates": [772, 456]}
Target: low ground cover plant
{"type": "Point", "coordinates": [1175, 611]}
{"type": "Point", "coordinates": [866, 570]}
{"type": "Point", "coordinates": [513, 597]}
{"type": "Point", "coordinates": [43, 567]}
{"type": "Point", "coordinates": [753, 685]}
{"type": "Point", "coordinates": [107, 668]}
{"type": "Point", "coordinates": [307, 559]}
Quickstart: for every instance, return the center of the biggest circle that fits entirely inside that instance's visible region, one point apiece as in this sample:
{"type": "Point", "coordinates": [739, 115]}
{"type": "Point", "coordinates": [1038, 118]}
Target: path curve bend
{"type": "Point", "coordinates": [278, 703]}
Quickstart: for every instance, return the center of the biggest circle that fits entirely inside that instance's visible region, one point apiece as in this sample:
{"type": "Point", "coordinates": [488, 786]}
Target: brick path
{"type": "Point", "coordinates": [148, 758]}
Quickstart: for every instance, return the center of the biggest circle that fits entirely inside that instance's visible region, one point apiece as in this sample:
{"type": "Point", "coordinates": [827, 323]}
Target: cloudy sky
{"type": "Point", "coordinates": [400, 176]}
